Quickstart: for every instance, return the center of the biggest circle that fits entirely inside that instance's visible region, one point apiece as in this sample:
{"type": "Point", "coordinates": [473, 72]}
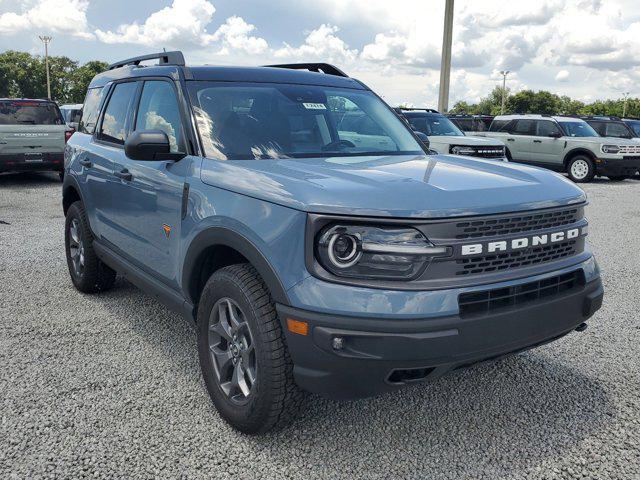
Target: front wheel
{"type": "Point", "coordinates": [243, 354]}
{"type": "Point", "coordinates": [581, 169]}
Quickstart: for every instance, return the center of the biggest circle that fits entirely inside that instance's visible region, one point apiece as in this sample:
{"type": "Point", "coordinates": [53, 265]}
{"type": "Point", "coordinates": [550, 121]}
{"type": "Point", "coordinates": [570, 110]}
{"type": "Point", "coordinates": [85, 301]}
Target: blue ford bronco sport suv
{"type": "Point", "coordinates": [311, 257]}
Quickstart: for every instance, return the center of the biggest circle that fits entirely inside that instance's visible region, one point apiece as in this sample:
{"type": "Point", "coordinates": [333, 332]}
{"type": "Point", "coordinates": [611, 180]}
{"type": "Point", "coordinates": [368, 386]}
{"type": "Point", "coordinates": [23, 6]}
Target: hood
{"type": "Point", "coordinates": [406, 186]}
{"type": "Point", "coordinates": [607, 140]}
{"type": "Point", "coordinates": [466, 140]}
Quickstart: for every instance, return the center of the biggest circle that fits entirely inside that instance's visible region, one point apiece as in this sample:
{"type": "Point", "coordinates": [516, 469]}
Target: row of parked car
{"type": "Point", "coordinates": [33, 134]}
{"type": "Point", "coordinates": [583, 147]}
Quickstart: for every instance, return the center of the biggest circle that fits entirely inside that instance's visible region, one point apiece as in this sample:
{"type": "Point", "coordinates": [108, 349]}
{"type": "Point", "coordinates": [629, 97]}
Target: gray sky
{"type": "Point", "coordinates": [587, 49]}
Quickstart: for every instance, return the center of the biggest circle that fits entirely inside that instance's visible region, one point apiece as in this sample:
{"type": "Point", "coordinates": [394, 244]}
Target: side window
{"type": "Point", "coordinates": [547, 128]}
{"type": "Point", "coordinates": [90, 111]}
{"type": "Point", "coordinates": [114, 123]}
{"type": "Point", "coordinates": [523, 127]}
{"type": "Point", "coordinates": [499, 126]}
{"type": "Point", "coordinates": [159, 110]}
{"type": "Point", "coordinates": [618, 130]}
{"type": "Point", "coordinates": [599, 127]}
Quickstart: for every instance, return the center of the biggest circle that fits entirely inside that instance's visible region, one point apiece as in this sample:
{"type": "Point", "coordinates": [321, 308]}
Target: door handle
{"type": "Point", "coordinates": [537, 141]}
{"type": "Point", "coordinates": [511, 139]}
{"type": "Point", "coordinates": [124, 174]}
{"type": "Point", "coordinates": [85, 163]}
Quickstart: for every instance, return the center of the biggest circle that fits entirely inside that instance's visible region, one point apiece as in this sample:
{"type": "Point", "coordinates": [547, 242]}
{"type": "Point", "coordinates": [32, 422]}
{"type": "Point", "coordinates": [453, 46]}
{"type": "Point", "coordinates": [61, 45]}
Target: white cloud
{"type": "Point", "coordinates": [562, 76]}
{"type": "Point", "coordinates": [50, 16]}
{"type": "Point", "coordinates": [234, 34]}
{"type": "Point", "coordinates": [321, 44]}
{"type": "Point", "coordinates": [181, 23]}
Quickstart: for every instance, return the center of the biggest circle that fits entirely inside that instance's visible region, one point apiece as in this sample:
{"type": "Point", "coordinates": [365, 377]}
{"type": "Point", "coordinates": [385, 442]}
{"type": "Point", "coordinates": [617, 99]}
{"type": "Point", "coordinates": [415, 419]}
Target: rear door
{"type": "Point", "coordinates": [99, 167]}
{"type": "Point", "coordinates": [519, 138]}
{"type": "Point", "coordinates": [545, 147]}
{"type": "Point", "coordinates": [31, 132]}
{"type": "Point", "coordinates": [147, 203]}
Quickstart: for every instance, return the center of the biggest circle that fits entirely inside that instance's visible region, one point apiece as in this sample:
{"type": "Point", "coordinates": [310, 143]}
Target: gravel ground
{"type": "Point", "coordinates": [109, 385]}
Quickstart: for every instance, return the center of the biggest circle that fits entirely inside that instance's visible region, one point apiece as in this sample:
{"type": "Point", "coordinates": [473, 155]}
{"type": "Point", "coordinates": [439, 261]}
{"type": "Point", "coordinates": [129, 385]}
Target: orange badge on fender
{"type": "Point", "coordinates": [167, 229]}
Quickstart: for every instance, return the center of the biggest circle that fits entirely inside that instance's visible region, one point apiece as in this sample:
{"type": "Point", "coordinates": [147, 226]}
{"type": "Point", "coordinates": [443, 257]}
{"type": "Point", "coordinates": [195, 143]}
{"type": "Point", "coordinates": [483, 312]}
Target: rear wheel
{"type": "Point", "coordinates": [88, 273]}
{"type": "Point", "coordinates": [243, 355]}
{"type": "Point", "coordinates": [581, 169]}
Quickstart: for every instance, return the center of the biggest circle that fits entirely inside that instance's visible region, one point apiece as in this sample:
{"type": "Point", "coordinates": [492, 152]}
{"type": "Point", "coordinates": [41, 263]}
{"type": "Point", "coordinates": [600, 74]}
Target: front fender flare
{"type": "Point", "coordinates": [223, 236]}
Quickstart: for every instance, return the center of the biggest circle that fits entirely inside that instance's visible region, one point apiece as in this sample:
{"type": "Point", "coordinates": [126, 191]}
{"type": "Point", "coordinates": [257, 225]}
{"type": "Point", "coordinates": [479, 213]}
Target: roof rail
{"type": "Point", "coordinates": [325, 68]}
{"type": "Point", "coordinates": [411, 109]}
{"type": "Point", "coordinates": [166, 58]}
{"type": "Point", "coordinates": [599, 117]}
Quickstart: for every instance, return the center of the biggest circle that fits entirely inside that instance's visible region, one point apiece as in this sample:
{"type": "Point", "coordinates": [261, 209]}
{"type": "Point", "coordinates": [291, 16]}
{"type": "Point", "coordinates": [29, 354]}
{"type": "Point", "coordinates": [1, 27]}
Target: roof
{"type": "Point", "coordinates": [228, 74]}
{"type": "Point", "coordinates": [535, 116]}
{"type": "Point", "coordinates": [6, 99]}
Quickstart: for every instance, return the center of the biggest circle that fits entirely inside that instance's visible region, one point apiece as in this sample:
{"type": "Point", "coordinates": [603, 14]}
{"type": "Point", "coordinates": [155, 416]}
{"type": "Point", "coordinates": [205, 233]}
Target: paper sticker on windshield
{"type": "Point", "coordinates": [315, 106]}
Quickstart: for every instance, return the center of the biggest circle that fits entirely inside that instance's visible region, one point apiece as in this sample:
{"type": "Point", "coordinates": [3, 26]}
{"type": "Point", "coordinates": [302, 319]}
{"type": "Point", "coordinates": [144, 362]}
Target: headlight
{"type": "Point", "coordinates": [610, 149]}
{"type": "Point", "coordinates": [462, 150]}
{"type": "Point", "coordinates": [369, 252]}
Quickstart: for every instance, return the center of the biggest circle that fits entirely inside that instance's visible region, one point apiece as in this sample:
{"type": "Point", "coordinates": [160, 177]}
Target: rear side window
{"type": "Point", "coordinates": [599, 127]}
{"type": "Point", "coordinates": [114, 123]}
{"type": "Point", "coordinates": [90, 111]}
{"type": "Point", "coordinates": [29, 112]}
{"type": "Point", "coordinates": [159, 110]}
{"type": "Point", "coordinates": [523, 127]}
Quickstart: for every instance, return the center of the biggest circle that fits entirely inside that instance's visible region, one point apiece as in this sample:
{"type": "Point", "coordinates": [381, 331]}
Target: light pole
{"type": "Point", "coordinates": [625, 95]}
{"type": "Point", "coordinates": [445, 64]}
{"type": "Point", "coordinates": [504, 74]}
{"type": "Point", "coordinates": [46, 39]}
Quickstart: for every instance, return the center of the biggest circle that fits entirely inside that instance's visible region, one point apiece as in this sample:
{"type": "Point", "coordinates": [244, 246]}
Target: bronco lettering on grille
{"type": "Point", "coordinates": [523, 242]}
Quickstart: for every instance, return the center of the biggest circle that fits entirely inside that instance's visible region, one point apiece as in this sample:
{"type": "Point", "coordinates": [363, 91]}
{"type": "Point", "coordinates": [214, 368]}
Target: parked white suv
{"type": "Point", "coordinates": [446, 138]}
{"type": "Point", "coordinates": [565, 144]}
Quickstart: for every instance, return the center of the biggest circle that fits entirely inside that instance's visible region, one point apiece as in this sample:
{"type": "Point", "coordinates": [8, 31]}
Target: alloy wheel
{"type": "Point", "coordinates": [76, 247]}
{"type": "Point", "coordinates": [232, 350]}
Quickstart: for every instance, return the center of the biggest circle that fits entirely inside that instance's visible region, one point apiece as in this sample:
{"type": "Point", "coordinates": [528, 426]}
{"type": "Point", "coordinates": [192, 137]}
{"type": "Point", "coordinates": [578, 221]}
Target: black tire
{"type": "Point", "coordinates": [61, 175]}
{"type": "Point", "coordinates": [581, 169]}
{"type": "Point", "coordinates": [273, 398]}
{"type": "Point", "coordinates": [93, 276]}
{"type": "Point", "coordinates": [508, 154]}
{"type": "Point", "coordinates": [617, 178]}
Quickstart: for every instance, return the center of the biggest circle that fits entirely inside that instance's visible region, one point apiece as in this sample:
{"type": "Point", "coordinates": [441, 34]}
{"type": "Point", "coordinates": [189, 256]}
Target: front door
{"type": "Point", "coordinates": [148, 202]}
{"type": "Point", "coordinates": [547, 147]}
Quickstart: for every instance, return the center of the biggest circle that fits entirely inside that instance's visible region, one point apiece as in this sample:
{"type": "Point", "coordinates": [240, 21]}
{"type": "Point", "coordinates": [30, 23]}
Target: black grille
{"type": "Point", "coordinates": [521, 258]}
{"type": "Point", "coordinates": [489, 152]}
{"type": "Point", "coordinates": [515, 224]}
{"type": "Point", "coordinates": [479, 303]}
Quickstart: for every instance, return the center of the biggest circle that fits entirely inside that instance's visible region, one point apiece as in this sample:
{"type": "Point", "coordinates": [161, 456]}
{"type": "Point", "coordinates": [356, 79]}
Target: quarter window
{"type": "Point", "coordinates": [114, 123]}
{"type": "Point", "coordinates": [90, 111]}
{"type": "Point", "coordinates": [159, 110]}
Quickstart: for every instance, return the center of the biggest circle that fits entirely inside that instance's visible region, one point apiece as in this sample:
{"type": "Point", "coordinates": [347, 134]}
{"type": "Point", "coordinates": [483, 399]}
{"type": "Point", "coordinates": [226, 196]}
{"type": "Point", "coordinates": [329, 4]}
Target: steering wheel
{"type": "Point", "coordinates": [338, 143]}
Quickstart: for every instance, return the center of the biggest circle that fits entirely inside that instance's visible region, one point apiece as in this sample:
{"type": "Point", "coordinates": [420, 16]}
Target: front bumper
{"type": "Point", "coordinates": [382, 354]}
{"type": "Point", "coordinates": [32, 162]}
{"type": "Point", "coordinates": [627, 165]}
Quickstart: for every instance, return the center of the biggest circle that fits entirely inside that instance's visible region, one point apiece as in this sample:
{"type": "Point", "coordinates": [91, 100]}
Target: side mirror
{"type": "Point", "coordinates": [150, 145]}
{"type": "Point", "coordinates": [555, 135]}
{"type": "Point", "coordinates": [423, 138]}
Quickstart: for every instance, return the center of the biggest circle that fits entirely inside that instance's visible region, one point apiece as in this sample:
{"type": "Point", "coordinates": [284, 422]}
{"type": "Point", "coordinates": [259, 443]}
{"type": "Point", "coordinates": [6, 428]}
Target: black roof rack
{"type": "Point", "coordinates": [472, 115]}
{"type": "Point", "coordinates": [313, 67]}
{"type": "Point", "coordinates": [599, 117]}
{"type": "Point", "coordinates": [165, 58]}
{"type": "Point", "coordinates": [412, 109]}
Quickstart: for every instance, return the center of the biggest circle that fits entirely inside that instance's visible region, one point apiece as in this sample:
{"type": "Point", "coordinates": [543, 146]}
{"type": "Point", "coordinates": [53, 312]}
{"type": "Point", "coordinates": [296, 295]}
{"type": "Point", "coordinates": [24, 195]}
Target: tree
{"type": "Point", "coordinates": [24, 75]}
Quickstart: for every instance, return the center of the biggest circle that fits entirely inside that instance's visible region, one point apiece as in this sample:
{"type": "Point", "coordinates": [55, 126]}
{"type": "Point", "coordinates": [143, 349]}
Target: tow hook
{"type": "Point", "coordinates": [582, 327]}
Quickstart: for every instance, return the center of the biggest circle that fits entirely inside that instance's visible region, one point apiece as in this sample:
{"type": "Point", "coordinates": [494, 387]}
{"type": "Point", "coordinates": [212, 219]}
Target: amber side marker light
{"type": "Point", "coordinates": [296, 326]}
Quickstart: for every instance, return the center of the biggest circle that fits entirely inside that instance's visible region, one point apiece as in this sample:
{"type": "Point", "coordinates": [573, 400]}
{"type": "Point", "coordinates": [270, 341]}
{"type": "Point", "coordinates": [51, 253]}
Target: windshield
{"type": "Point", "coordinates": [578, 128]}
{"type": "Point", "coordinates": [434, 125]}
{"type": "Point", "coordinates": [258, 121]}
{"type": "Point", "coordinates": [20, 112]}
